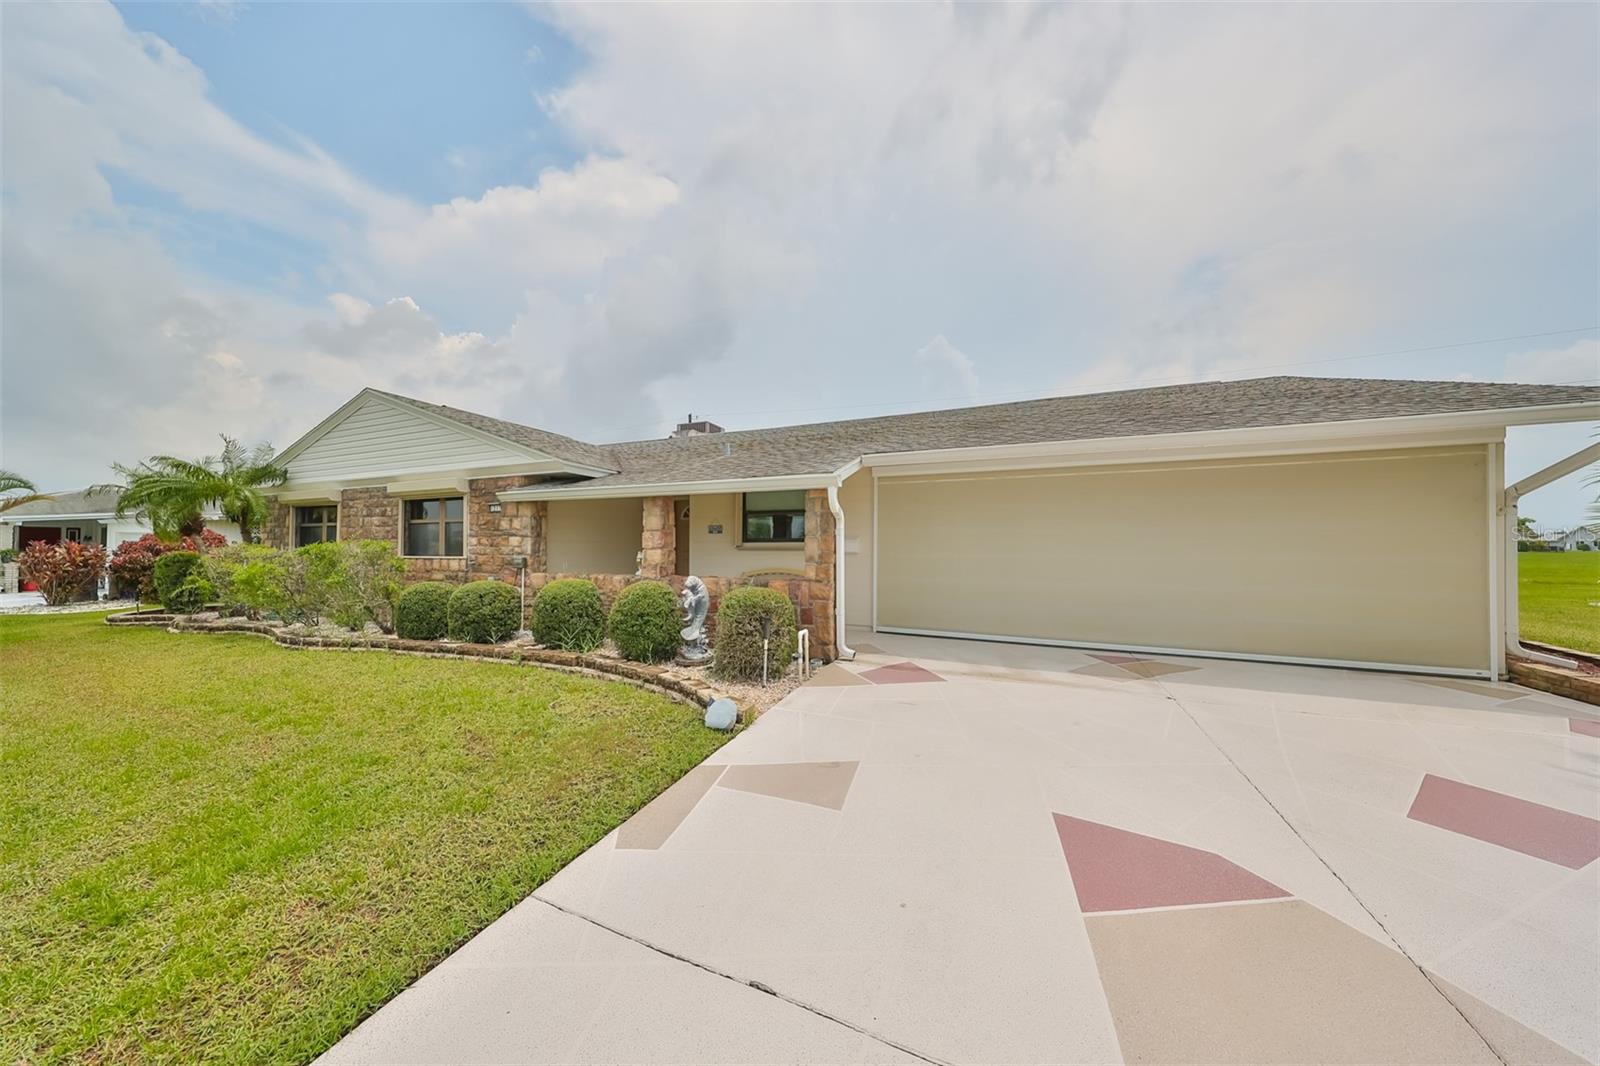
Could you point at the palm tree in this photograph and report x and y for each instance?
(16, 490)
(172, 493)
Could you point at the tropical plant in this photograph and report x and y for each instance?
(133, 562)
(192, 595)
(484, 612)
(646, 622)
(172, 494)
(569, 614)
(755, 634)
(246, 579)
(348, 583)
(16, 490)
(64, 570)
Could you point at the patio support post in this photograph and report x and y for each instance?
(659, 539)
(820, 572)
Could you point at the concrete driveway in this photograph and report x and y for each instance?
(962, 852)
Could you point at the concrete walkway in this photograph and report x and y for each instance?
(964, 852)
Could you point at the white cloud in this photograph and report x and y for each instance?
(778, 199)
(946, 370)
(1577, 363)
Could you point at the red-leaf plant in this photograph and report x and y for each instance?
(133, 563)
(63, 570)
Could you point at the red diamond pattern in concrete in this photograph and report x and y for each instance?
(1557, 836)
(899, 674)
(1116, 870)
(1589, 727)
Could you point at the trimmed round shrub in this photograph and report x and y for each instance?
(192, 595)
(483, 612)
(423, 612)
(569, 615)
(645, 622)
(740, 618)
(171, 571)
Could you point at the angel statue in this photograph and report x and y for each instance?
(695, 601)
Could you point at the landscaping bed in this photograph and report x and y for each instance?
(219, 850)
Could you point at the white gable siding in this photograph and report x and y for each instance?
(379, 439)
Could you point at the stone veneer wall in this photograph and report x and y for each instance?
(278, 528)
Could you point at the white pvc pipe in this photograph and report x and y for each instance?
(845, 652)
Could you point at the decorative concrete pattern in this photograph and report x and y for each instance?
(1275, 982)
(930, 906)
(651, 827)
(900, 674)
(1589, 727)
(821, 784)
(1115, 870)
(1562, 837)
(1511, 1040)
(1124, 667)
(834, 675)
(1109, 671)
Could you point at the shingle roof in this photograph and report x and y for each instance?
(1258, 402)
(75, 502)
(552, 444)
(823, 447)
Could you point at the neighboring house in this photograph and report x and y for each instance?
(1569, 540)
(1350, 522)
(82, 515)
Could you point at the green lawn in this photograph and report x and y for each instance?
(1559, 593)
(215, 848)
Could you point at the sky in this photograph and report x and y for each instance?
(596, 219)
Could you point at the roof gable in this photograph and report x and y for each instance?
(378, 435)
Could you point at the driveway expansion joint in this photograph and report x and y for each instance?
(1426, 976)
(758, 986)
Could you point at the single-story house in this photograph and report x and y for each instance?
(1310, 520)
(1570, 539)
(83, 515)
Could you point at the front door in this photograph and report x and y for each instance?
(680, 511)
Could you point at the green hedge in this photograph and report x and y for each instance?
(645, 622)
(569, 615)
(171, 571)
(423, 612)
(484, 612)
(738, 644)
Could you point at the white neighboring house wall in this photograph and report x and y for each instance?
(1570, 540)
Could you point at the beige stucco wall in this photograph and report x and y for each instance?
(719, 554)
(1368, 557)
(593, 536)
(855, 499)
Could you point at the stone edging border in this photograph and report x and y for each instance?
(640, 675)
(1555, 680)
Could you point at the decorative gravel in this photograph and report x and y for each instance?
(69, 608)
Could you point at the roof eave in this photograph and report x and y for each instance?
(703, 487)
(1451, 427)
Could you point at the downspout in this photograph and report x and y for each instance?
(845, 652)
(1574, 462)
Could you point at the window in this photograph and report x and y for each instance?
(775, 517)
(313, 525)
(434, 527)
